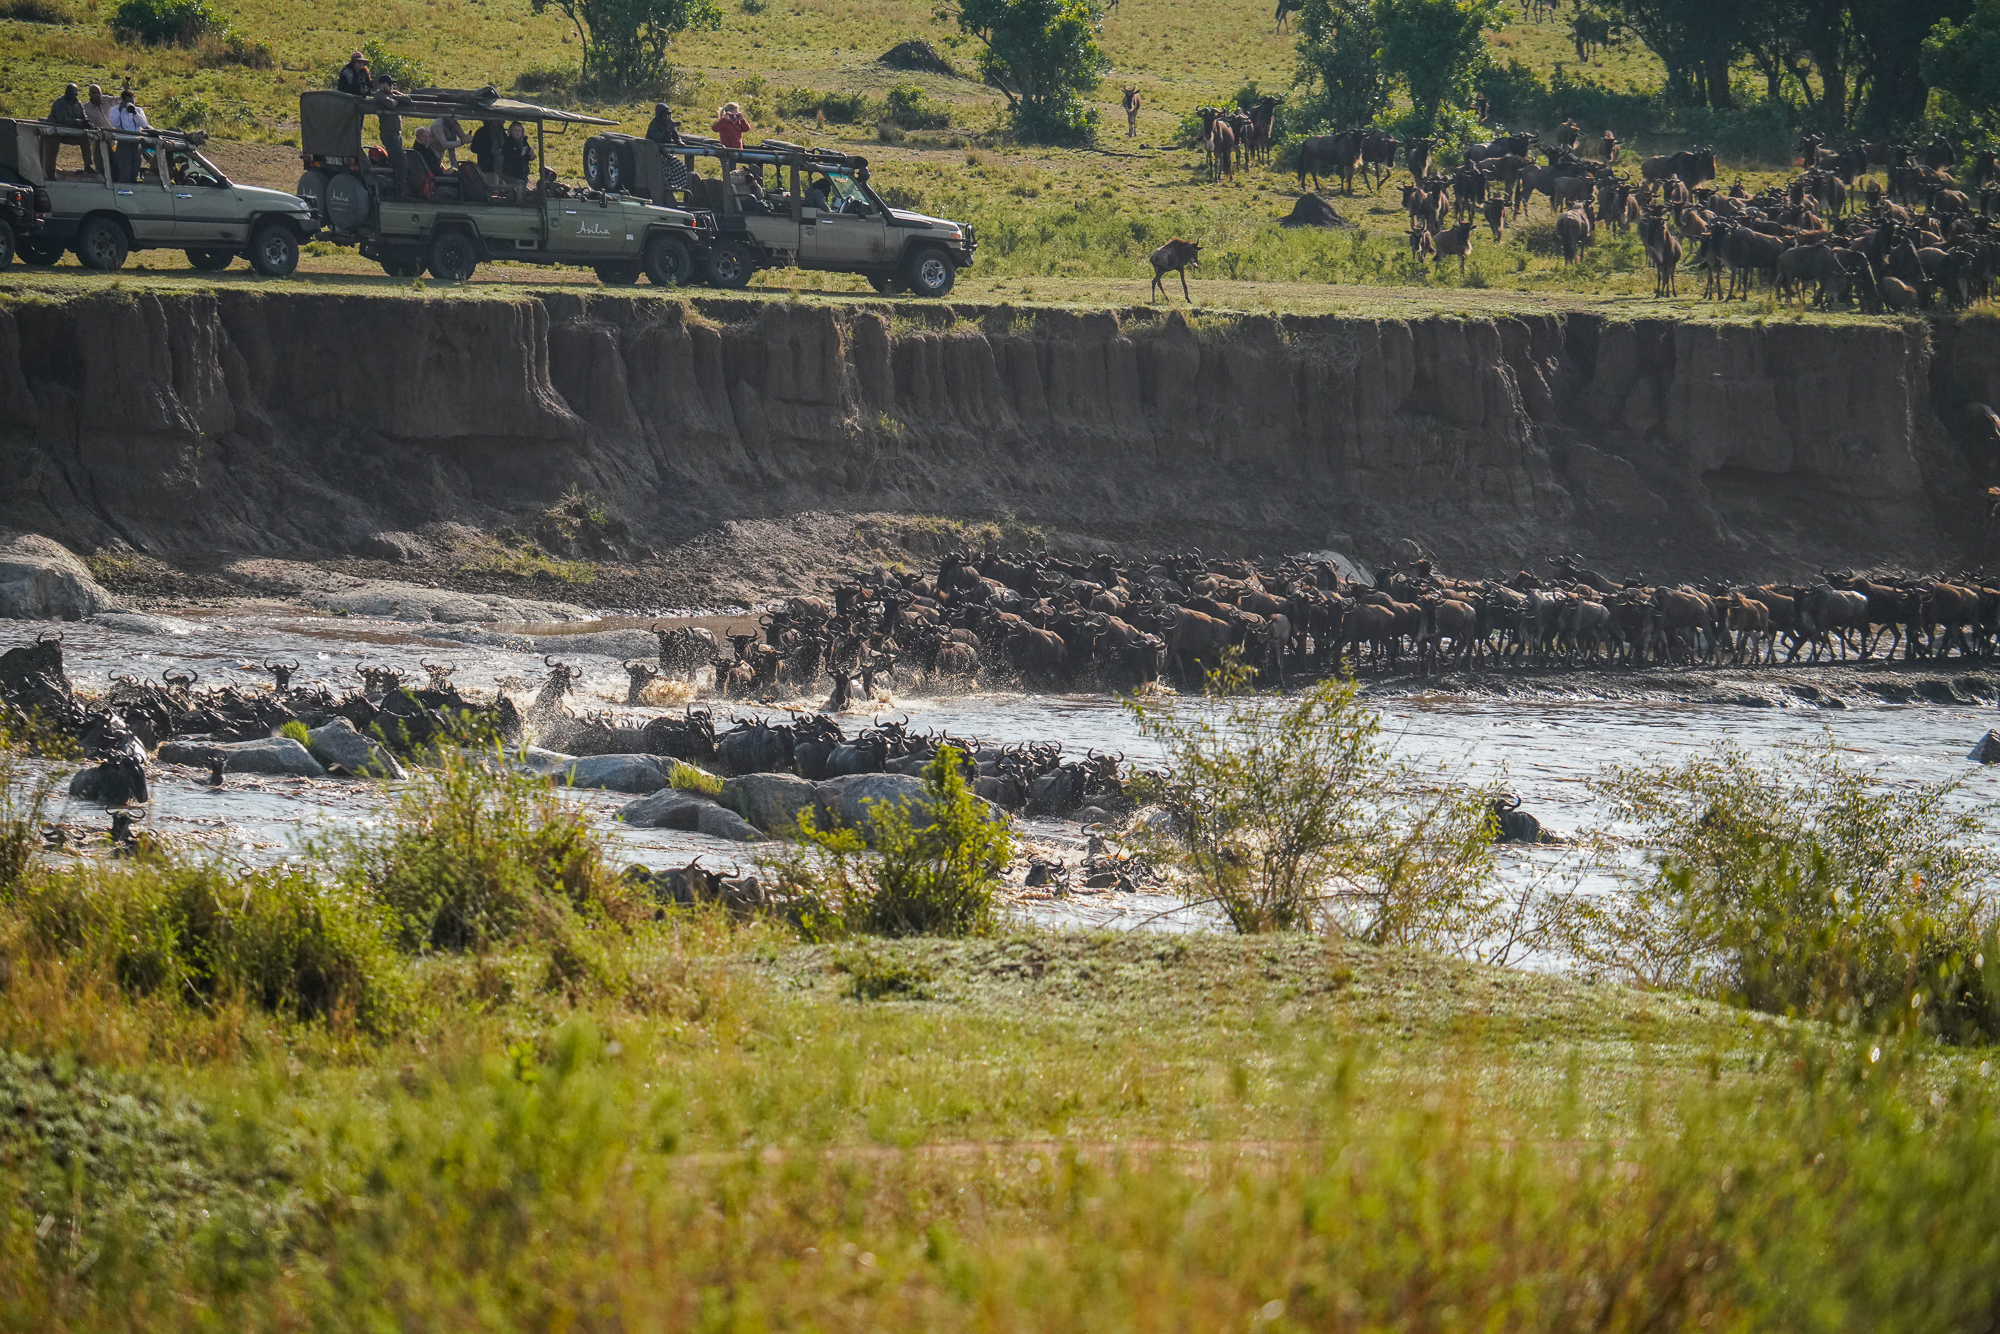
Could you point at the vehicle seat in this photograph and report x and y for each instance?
(707, 192)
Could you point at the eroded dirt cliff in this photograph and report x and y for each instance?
(240, 421)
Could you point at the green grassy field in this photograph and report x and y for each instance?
(1067, 225)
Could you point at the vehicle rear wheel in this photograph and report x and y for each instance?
(617, 275)
(452, 257)
(41, 253)
(402, 266)
(729, 265)
(929, 272)
(210, 260)
(668, 263)
(6, 246)
(101, 245)
(886, 286)
(274, 251)
(593, 161)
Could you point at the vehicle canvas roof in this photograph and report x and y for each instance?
(21, 152)
(330, 122)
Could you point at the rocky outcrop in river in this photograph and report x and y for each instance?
(251, 421)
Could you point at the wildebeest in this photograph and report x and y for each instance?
(1220, 141)
(1456, 240)
(1131, 112)
(1573, 230)
(1336, 154)
(1694, 166)
(1176, 256)
(1663, 251)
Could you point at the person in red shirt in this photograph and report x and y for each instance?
(730, 125)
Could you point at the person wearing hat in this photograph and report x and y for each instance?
(731, 125)
(663, 130)
(68, 114)
(355, 80)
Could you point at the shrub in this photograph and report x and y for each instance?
(912, 108)
(165, 22)
(230, 49)
(1292, 812)
(546, 79)
(805, 103)
(32, 11)
(1802, 888)
(474, 856)
(933, 879)
(296, 730)
(280, 939)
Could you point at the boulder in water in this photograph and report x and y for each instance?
(852, 800)
(720, 822)
(671, 809)
(42, 580)
(278, 755)
(1312, 211)
(637, 774)
(1988, 749)
(771, 802)
(338, 745)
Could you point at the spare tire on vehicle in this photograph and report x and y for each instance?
(312, 189)
(346, 201)
(621, 174)
(594, 154)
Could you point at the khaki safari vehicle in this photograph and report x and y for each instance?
(777, 204)
(468, 218)
(180, 201)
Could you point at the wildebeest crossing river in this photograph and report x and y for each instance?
(1545, 736)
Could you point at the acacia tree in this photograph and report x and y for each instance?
(625, 41)
(1961, 61)
(1340, 63)
(1439, 49)
(1043, 55)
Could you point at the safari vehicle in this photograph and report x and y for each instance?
(765, 218)
(181, 201)
(22, 208)
(469, 218)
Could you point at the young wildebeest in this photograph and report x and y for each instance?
(1496, 209)
(1131, 112)
(1456, 240)
(1176, 256)
(1663, 252)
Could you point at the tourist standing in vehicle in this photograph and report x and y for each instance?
(447, 137)
(730, 126)
(127, 117)
(486, 141)
(516, 156)
(663, 130)
(97, 117)
(354, 78)
(390, 125)
(67, 112)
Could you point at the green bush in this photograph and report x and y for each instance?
(933, 879)
(912, 108)
(805, 103)
(1291, 813)
(165, 22)
(280, 939)
(296, 730)
(1801, 887)
(474, 856)
(32, 11)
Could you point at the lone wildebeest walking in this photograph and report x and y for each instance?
(1131, 112)
(1175, 257)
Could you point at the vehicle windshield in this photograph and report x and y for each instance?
(847, 190)
(191, 168)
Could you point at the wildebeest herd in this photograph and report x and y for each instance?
(1109, 624)
(1920, 235)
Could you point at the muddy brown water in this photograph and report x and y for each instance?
(1545, 734)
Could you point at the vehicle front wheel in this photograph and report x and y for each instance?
(40, 253)
(730, 265)
(617, 275)
(274, 251)
(930, 272)
(453, 257)
(668, 263)
(101, 245)
(210, 260)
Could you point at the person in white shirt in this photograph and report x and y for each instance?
(97, 117)
(447, 137)
(127, 116)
